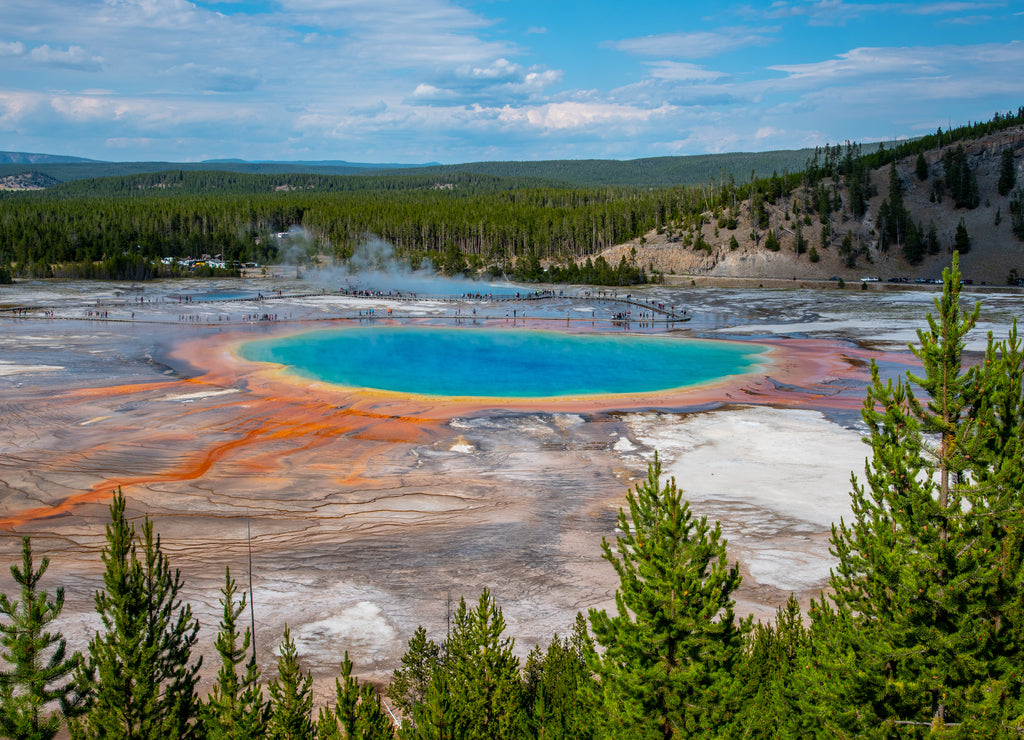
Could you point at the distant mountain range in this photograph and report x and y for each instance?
(34, 158)
(321, 163)
(647, 172)
(28, 158)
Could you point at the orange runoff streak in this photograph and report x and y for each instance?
(314, 424)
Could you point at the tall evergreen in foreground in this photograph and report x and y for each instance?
(139, 670)
(774, 684)
(670, 653)
(922, 632)
(409, 684)
(433, 718)
(38, 680)
(559, 683)
(291, 696)
(357, 713)
(483, 674)
(997, 501)
(474, 689)
(235, 709)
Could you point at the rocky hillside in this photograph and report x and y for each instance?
(994, 250)
(26, 181)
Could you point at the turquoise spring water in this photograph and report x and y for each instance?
(500, 363)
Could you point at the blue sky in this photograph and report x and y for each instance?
(467, 80)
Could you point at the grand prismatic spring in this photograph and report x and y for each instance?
(369, 508)
(492, 363)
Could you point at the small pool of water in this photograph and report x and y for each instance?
(505, 363)
(223, 296)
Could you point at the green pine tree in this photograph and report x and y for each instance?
(435, 717)
(558, 684)
(921, 167)
(932, 239)
(962, 240)
(923, 626)
(895, 189)
(995, 516)
(409, 683)
(291, 696)
(483, 674)
(235, 709)
(774, 700)
(327, 725)
(357, 713)
(142, 682)
(667, 669)
(960, 180)
(847, 250)
(914, 244)
(1007, 172)
(37, 691)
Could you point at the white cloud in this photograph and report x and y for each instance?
(767, 132)
(570, 115)
(499, 69)
(124, 118)
(540, 79)
(708, 138)
(497, 82)
(696, 44)
(430, 93)
(147, 16)
(11, 48)
(948, 8)
(905, 63)
(17, 109)
(683, 72)
(81, 108)
(839, 12)
(126, 143)
(74, 57)
(823, 12)
(720, 133)
(398, 33)
(858, 62)
(218, 78)
(974, 20)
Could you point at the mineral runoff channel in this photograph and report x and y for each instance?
(371, 513)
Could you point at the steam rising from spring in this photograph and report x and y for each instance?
(374, 266)
(295, 246)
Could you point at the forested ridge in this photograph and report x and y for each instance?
(488, 219)
(920, 632)
(512, 222)
(645, 172)
(69, 171)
